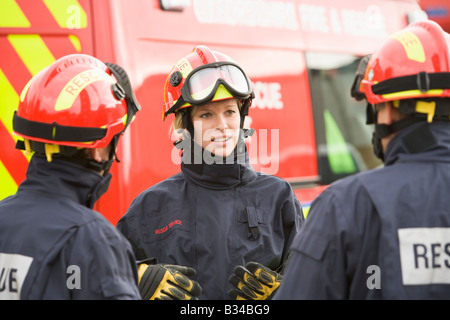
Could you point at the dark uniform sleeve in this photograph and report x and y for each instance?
(331, 249)
(129, 227)
(314, 269)
(293, 220)
(106, 264)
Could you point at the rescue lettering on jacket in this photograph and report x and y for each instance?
(13, 270)
(425, 255)
(167, 227)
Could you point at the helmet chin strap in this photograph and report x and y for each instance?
(418, 110)
(384, 130)
(99, 166)
(244, 112)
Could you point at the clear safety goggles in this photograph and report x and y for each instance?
(202, 83)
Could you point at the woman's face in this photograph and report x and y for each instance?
(216, 126)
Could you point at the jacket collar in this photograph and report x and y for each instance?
(65, 179)
(421, 141)
(203, 168)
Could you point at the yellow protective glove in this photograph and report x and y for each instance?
(254, 282)
(167, 282)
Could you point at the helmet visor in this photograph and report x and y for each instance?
(202, 83)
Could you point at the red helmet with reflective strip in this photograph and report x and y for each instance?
(412, 63)
(74, 102)
(204, 76)
(411, 69)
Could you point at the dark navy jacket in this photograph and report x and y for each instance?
(52, 246)
(213, 218)
(381, 234)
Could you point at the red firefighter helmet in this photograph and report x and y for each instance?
(74, 102)
(204, 76)
(412, 63)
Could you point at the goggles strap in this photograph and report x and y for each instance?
(360, 71)
(123, 90)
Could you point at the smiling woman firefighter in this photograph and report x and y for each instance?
(218, 220)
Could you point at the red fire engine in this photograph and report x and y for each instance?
(438, 11)
(301, 56)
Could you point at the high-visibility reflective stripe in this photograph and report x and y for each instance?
(61, 45)
(68, 13)
(32, 50)
(8, 185)
(13, 161)
(412, 93)
(75, 42)
(11, 16)
(9, 100)
(305, 209)
(184, 67)
(412, 45)
(23, 56)
(12, 66)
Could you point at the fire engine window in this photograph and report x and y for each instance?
(343, 139)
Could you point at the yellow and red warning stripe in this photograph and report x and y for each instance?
(33, 34)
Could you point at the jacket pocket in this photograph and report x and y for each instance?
(254, 240)
(253, 220)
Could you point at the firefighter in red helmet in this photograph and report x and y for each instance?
(218, 216)
(385, 233)
(70, 117)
